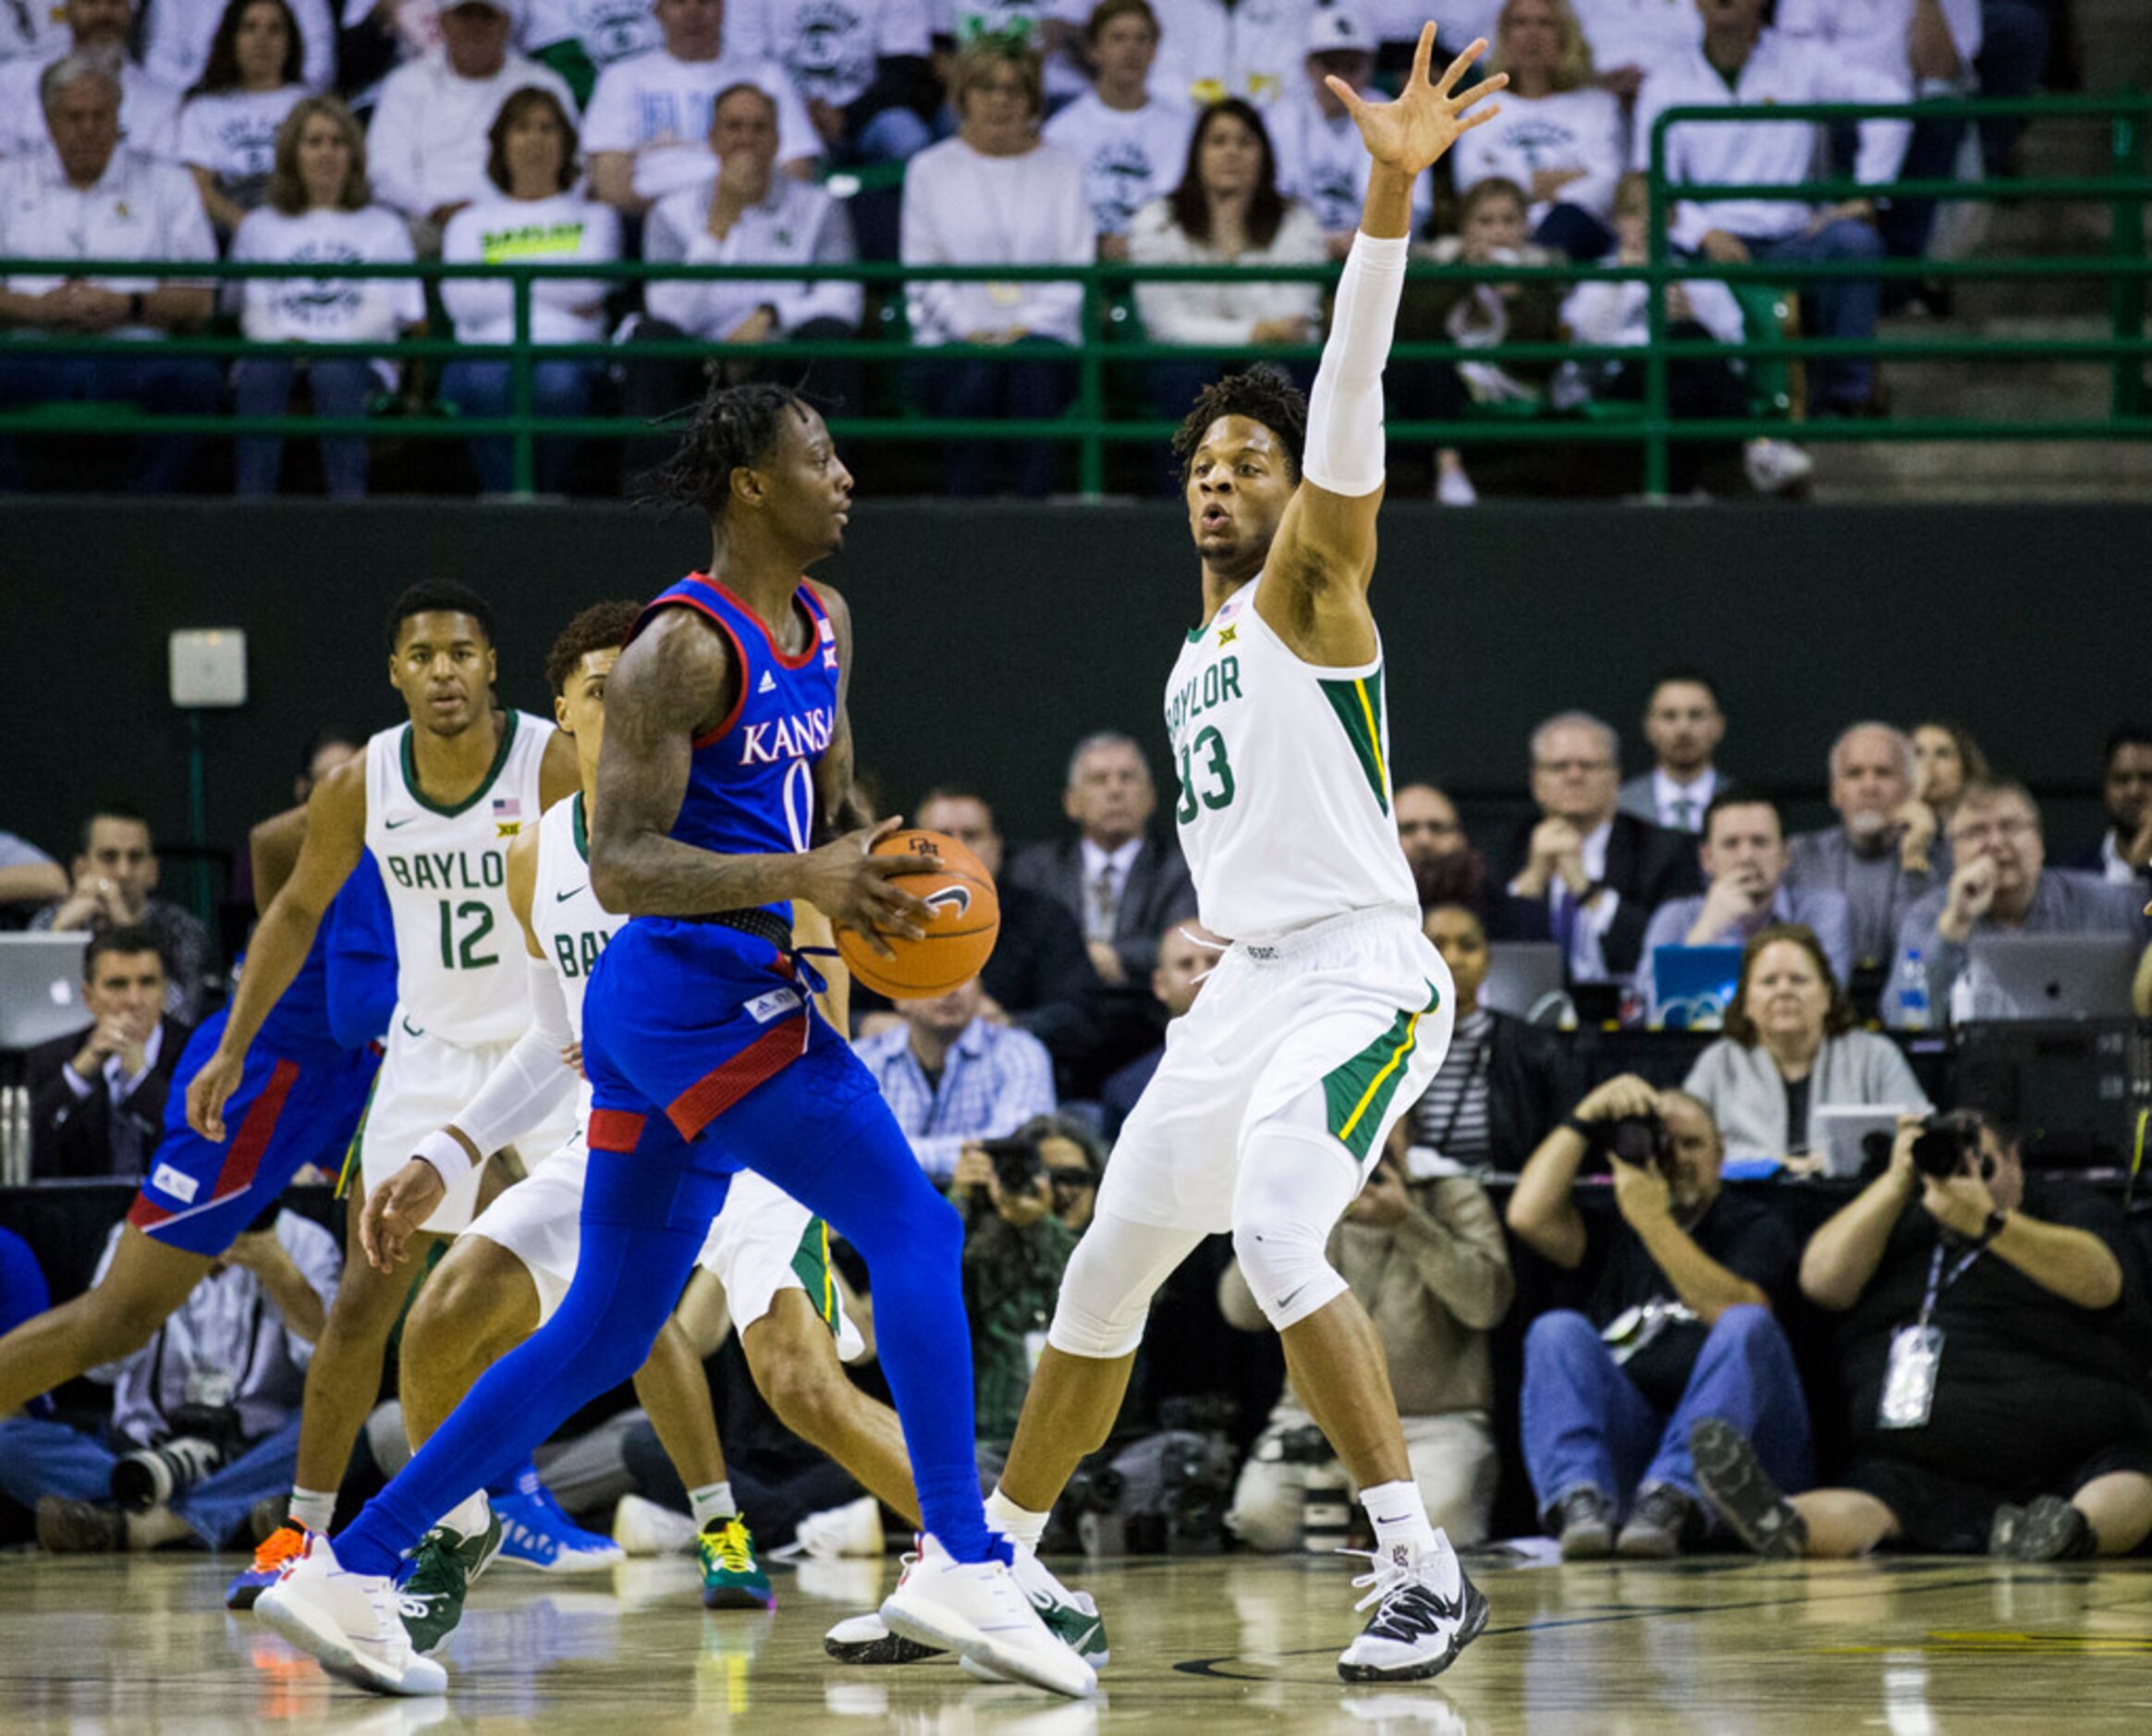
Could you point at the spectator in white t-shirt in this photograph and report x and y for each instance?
(89, 197)
(318, 213)
(648, 129)
(997, 194)
(1227, 210)
(1250, 49)
(596, 32)
(536, 215)
(227, 131)
(1698, 310)
(1321, 161)
(862, 66)
(177, 36)
(427, 138)
(1629, 39)
(749, 215)
(1742, 66)
(1131, 144)
(35, 30)
(149, 108)
(1556, 135)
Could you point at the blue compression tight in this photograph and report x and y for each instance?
(822, 1132)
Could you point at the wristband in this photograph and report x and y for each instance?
(446, 1152)
(1993, 1227)
(1579, 1127)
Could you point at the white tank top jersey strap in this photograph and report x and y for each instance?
(460, 957)
(572, 927)
(1284, 814)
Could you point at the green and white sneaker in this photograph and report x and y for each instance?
(431, 1598)
(1072, 1617)
(732, 1578)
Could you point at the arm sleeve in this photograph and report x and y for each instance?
(392, 148)
(531, 1080)
(471, 303)
(1344, 439)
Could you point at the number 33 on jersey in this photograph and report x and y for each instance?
(1285, 786)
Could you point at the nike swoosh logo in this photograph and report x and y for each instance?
(562, 897)
(390, 825)
(1286, 1302)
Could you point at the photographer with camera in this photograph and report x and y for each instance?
(1993, 1361)
(1679, 1325)
(1426, 1256)
(1025, 1200)
(204, 1417)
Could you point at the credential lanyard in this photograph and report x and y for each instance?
(1937, 1283)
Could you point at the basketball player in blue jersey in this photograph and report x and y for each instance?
(435, 800)
(504, 1278)
(727, 754)
(1330, 1011)
(297, 1101)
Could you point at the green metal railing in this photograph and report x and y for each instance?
(2124, 268)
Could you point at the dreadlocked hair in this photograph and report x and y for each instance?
(1261, 393)
(602, 626)
(734, 425)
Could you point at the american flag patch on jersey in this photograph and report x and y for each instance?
(507, 807)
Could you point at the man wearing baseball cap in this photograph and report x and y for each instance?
(1320, 160)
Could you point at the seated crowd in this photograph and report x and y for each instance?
(1631, 1281)
(760, 133)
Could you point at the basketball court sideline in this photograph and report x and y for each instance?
(1911, 1646)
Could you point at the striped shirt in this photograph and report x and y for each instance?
(994, 1079)
(1453, 1116)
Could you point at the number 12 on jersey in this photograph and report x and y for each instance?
(1205, 757)
(474, 919)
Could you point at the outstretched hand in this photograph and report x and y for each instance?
(1424, 121)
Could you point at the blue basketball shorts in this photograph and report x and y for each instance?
(286, 1112)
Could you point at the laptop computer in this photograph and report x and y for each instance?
(1524, 980)
(1845, 1128)
(2052, 976)
(41, 988)
(1693, 986)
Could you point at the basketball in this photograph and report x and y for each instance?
(958, 941)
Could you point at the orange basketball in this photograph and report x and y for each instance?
(967, 919)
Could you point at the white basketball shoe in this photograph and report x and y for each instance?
(350, 1623)
(977, 1610)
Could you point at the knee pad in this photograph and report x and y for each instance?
(1283, 1261)
(1101, 1312)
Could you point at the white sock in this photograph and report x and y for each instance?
(1018, 1524)
(312, 1508)
(713, 1503)
(1400, 1517)
(468, 1517)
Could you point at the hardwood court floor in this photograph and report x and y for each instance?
(1203, 1648)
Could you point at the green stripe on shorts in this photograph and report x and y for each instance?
(1358, 1093)
(810, 1267)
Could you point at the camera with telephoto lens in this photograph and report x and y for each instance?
(1017, 1165)
(154, 1476)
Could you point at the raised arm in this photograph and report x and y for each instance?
(335, 833)
(672, 683)
(1842, 1257)
(1325, 545)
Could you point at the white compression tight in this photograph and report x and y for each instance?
(1296, 1183)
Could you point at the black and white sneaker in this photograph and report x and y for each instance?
(1742, 1492)
(867, 1640)
(1426, 1613)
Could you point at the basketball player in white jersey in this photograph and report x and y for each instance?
(1330, 1012)
(438, 800)
(505, 1276)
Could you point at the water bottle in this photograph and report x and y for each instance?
(1913, 993)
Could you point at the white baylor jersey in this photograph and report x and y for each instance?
(1285, 788)
(572, 927)
(459, 973)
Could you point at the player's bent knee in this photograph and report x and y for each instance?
(1286, 1269)
(1099, 1316)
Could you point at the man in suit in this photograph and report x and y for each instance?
(1448, 867)
(1883, 853)
(97, 1098)
(1684, 726)
(1599, 872)
(1124, 887)
(2124, 852)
